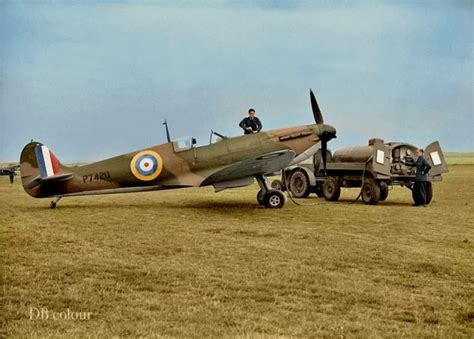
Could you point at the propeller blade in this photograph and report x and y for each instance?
(318, 117)
(324, 147)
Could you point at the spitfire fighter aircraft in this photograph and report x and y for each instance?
(228, 163)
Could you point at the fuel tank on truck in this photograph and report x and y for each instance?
(355, 154)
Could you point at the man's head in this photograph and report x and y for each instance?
(419, 152)
(251, 112)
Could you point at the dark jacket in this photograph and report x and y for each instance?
(254, 123)
(422, 168)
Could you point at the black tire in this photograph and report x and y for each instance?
(370, 192)
(383, 193)
(429, 192)
(274, 199)
(318, 189)
(299, 185)
(261, 198)
(331, 189)
(277, 185)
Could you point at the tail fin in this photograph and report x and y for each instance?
(38, 164)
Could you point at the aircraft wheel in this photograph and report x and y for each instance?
(277, 185)
(274, 199)
(370, 192)
(383, 193)
(261, 198)
(299, 184)
(52, 205)
(331, 189)
(429, 192)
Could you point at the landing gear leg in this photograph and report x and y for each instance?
(54, 202)
(263, 183)
(269, 197)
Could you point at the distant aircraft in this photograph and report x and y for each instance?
(228, 163)
(10, 171)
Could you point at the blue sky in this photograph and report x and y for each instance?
(96, 79)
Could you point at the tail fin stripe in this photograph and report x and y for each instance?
(48, 164)
(47, 161)
(40, 160)
(54, 163)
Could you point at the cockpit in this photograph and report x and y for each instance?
(187, 143)
(184, 144)
(215, 137)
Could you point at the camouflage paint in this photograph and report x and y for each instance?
(163, 166)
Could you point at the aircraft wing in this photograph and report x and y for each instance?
(244, 170)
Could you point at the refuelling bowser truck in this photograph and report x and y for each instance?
(373, 168)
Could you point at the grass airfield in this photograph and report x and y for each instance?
(194, 263)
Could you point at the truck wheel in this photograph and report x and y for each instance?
(429, 193)
(277, 185)
(383, 193)
(319, 190)
(370, 192)
(299, 184)
(274, 199)
(331, 189)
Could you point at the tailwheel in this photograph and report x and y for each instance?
(274, 199)
(54, 202)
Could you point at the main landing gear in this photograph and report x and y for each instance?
(268, 197)
(53, 203)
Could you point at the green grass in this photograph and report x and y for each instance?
(194, 263)
(460, 158)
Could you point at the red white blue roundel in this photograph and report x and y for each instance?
(146, 165)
